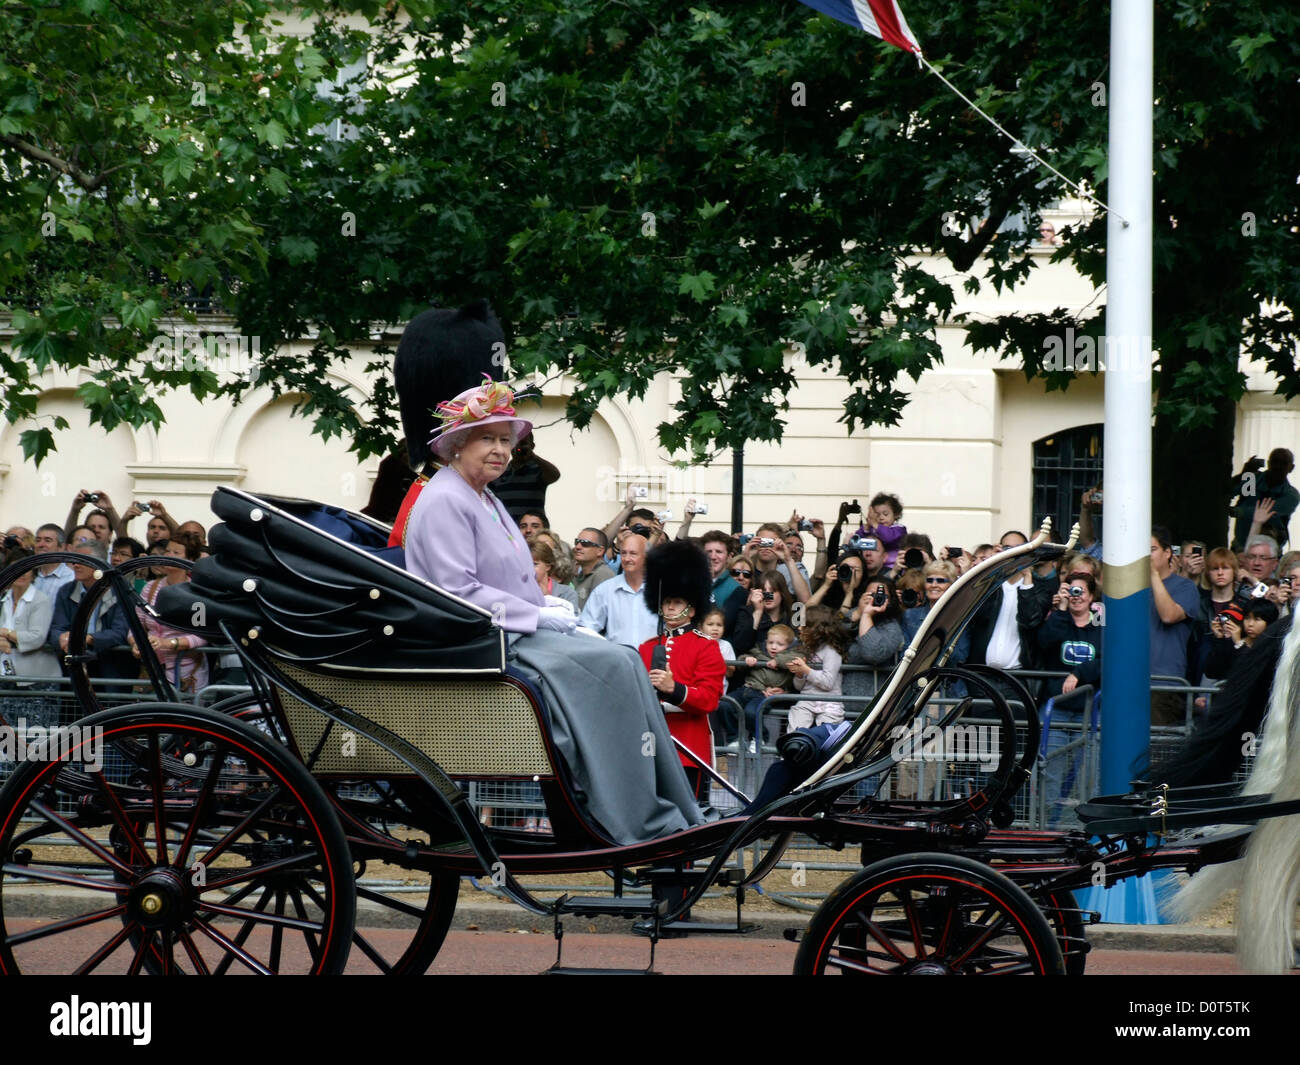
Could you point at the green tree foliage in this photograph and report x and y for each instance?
(643, 187)
(134, 141)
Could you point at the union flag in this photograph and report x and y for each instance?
(880, 18)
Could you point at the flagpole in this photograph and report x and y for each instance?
(1126, 543)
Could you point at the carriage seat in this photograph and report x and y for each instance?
(313, 590)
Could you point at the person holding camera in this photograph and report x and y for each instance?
(1070, 635)
(770, 603)
(160, 526)
(101, 521)
(1002, 630)
(639, 520)
(1175, 616)
(1070, 639)
(768, 554)
(1265, 498)
(1234, 631)
(842, 586)
(878, 638)
(1089, 542)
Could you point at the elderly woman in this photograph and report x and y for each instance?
(605, 717)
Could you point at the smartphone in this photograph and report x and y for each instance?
(1197, 549)
(954, 554)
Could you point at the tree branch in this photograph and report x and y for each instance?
(91, 183)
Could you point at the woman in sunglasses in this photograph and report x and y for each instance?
(939, 576)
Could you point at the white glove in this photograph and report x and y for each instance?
(552, 617)
(563, 604)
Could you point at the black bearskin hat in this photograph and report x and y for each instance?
(442, 353)
(677, 569)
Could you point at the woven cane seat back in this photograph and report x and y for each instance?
(470, 728)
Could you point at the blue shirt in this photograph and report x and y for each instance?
(1169, 642)
(51, 584)
(619, 613)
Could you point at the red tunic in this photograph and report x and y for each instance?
(397, 538)
(695, 661)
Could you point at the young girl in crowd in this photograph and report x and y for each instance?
(817, 670)
(713, 626)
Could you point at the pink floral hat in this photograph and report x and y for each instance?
(488, 404)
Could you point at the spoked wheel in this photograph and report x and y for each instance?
(1063, 913)
(404, 909)
(172, 839)
(929, 915)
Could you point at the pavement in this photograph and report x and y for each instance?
(500, 917)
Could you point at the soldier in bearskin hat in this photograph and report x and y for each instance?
(686, 667)
(443, 352)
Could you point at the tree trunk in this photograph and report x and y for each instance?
(1190, 473)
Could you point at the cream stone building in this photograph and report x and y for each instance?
(979, 449)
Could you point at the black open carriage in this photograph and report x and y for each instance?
(240, 835)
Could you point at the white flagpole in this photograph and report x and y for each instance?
(1126, 522)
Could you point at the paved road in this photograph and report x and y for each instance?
(506, 953)
(513, 952)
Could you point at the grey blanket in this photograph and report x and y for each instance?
(609, 727)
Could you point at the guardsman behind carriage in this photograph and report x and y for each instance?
(686, 667)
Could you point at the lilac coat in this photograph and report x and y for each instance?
(455, 541)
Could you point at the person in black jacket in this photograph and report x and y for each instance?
(1070, 639)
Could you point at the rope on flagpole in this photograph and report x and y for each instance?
(1017, 141)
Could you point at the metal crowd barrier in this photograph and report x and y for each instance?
(1072, 754)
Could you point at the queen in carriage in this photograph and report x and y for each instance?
(605, 716)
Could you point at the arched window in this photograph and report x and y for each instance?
(1065, 464)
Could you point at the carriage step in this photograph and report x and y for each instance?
(576, 970)
(679, 929)
(608, 906)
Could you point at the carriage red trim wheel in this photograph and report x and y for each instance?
(929, 915)
(192, 843)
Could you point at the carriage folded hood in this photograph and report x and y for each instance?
(277, 575)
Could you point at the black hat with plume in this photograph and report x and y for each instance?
(677, 570)
(442, 353)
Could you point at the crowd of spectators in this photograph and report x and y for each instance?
(796, 601)
(793, 601)
(40, 606)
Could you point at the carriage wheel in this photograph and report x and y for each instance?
(1062, 910)
(226, 857)
(929, 915)
(413, 906)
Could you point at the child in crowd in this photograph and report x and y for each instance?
(884, 521)
(767, 676)
(823, 641)
(1236, 628)
(713, 626)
